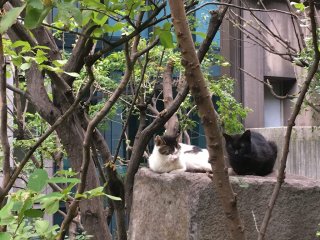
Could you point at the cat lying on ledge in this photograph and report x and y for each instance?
(169, 155)
(249, 154)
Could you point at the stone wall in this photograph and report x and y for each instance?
(184, 206)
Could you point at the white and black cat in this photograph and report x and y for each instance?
(250, 153)
(169, 155)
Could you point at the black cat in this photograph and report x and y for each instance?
(250, 153)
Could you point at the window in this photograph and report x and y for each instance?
(277, 111)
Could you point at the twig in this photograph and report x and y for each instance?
(242, 8)
(143, 137)
(268, 84)
(131, 108)
(42, 138)
(93, 123)
(313, 106)
(18, 91)
(4, 118)
(291, 122)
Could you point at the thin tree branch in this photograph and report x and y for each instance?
(19, 91)
(313, 106)
(269, 85)
(4, 118)
(142, 138)
(291, 122)
(131, 108)
(42, 138)
(93, 58)
(214, 24)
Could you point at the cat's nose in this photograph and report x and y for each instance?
(236, 152)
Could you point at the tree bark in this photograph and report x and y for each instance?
(172, 126)
(4, 118)
(208, 116)
(144, 136)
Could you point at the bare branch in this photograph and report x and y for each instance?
(41, 139)
(143, 137)
(313, 106)
(268, 84)
(4, 117)
(172, 125)
(291, 122)
(245, 8)
(18, 91)
(133, 104)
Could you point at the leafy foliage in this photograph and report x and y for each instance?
(25, 208)
(230, 111)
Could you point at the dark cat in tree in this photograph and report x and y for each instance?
(250, 153)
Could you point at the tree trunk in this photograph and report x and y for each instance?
(172, 126)
(208, 116)
(92, 211)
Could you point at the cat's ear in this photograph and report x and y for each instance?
(227, 137)
(158, 140)
(246, 135)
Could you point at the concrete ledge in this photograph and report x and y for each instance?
(184, 206)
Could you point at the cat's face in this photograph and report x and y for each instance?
(167, 144)
(238, 145)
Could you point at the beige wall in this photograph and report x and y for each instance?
(244, 52)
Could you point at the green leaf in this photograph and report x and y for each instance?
(50, 202)
(53, 69)
(5, 236)
(63, 180)
(26, 205)
(68, 189)
(299, 6)
(34, 213)
(201, 34)
(21, 44)
(10, 18)
(40, 56)
(41, 47)
(114, 197)
(50, 197)
(79, 195)
(35, 4)
(6, 210)
(25, 66)
(165, 35)
(99, 18)
(52, 207)
(72, 74)
(38, 180)
(59, 63)
(35, 16)
(6, 216)
(67, 11)
(42, 226)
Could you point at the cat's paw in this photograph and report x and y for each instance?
(173, 158)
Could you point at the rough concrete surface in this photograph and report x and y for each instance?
(183, 206)
(304, 152)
